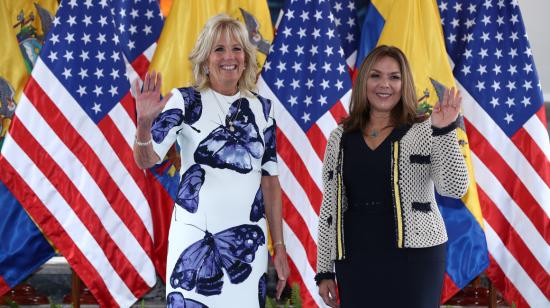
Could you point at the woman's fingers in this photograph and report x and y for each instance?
(332, 291)
(458, 102)
(279, 289)
(136, 88)
(154, 77)
(446, 98)
(281, 267)
(323, 292)
(453, 96)
(146, 81)
(158, 86)
(327, 291)
(437, 107)
(152, 82)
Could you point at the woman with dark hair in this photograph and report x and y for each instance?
(217, 245)
(381, 235)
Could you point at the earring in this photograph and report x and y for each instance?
(206, 70)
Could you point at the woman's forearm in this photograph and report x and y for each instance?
(144, 154)
(271, 190)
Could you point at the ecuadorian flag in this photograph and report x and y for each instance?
(414, 26)
(23, 28)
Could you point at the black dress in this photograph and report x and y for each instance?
(375, 272)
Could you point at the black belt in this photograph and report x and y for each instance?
(367, 204)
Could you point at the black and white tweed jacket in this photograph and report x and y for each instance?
(422, 156)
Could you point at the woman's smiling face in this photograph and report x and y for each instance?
(226, 64)
(384, 85)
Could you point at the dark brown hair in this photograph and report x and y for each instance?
(405, 112)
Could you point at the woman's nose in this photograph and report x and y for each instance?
(228, 55)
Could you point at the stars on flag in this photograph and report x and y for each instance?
(85, 50)
(487, 41)
(308, 72)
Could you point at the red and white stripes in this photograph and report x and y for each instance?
(79, 180)
(514, 188)
(300, 161)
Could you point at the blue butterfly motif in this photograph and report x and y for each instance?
(201, 264)
(257, 211)
(189, 188)
(266, 104)
(176, 300)
(234, 150)
(270, 153)
(262, 290)
(165, 122)
(193, 105)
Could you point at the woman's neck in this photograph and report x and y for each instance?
(226, 90)
(379, 120)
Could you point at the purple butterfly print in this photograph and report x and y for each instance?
(270, 153)
(233, 150)
(257, 211)
(262, 290)
(266, 104)
(202, 264)
(176, 300)
(193, 105)
(189, 188)
(165, 122)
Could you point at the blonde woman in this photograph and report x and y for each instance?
(217, 254)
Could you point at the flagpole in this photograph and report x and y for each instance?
(75, 289)
(492, 295)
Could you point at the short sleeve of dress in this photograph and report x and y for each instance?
(168, 123)
(269, 159)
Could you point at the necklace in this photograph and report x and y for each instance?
(228, 120)
(375, 132)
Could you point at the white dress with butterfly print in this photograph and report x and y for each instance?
(217, 252)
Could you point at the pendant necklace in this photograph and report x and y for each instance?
(376, 132)
(373, 134)
(230, 121)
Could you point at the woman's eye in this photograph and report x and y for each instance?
(237, 49)
(218, 49)
(395, 77)
(374, 75)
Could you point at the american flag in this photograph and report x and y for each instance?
(345, 21)
(307, 78)
(138, 24)
(68, 157)
(505, 123)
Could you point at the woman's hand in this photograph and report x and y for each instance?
(273, 204)
(446, 111)
(327, 291)
(148, 107)
(281, 267)
(148, 102)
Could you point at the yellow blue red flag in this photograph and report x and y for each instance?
(23, 27)
(415, 28)
(187, 18)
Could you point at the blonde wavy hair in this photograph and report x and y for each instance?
(405, 112)
(215, 27)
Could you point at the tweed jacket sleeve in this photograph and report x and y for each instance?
(448, 167)
(326, 244)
